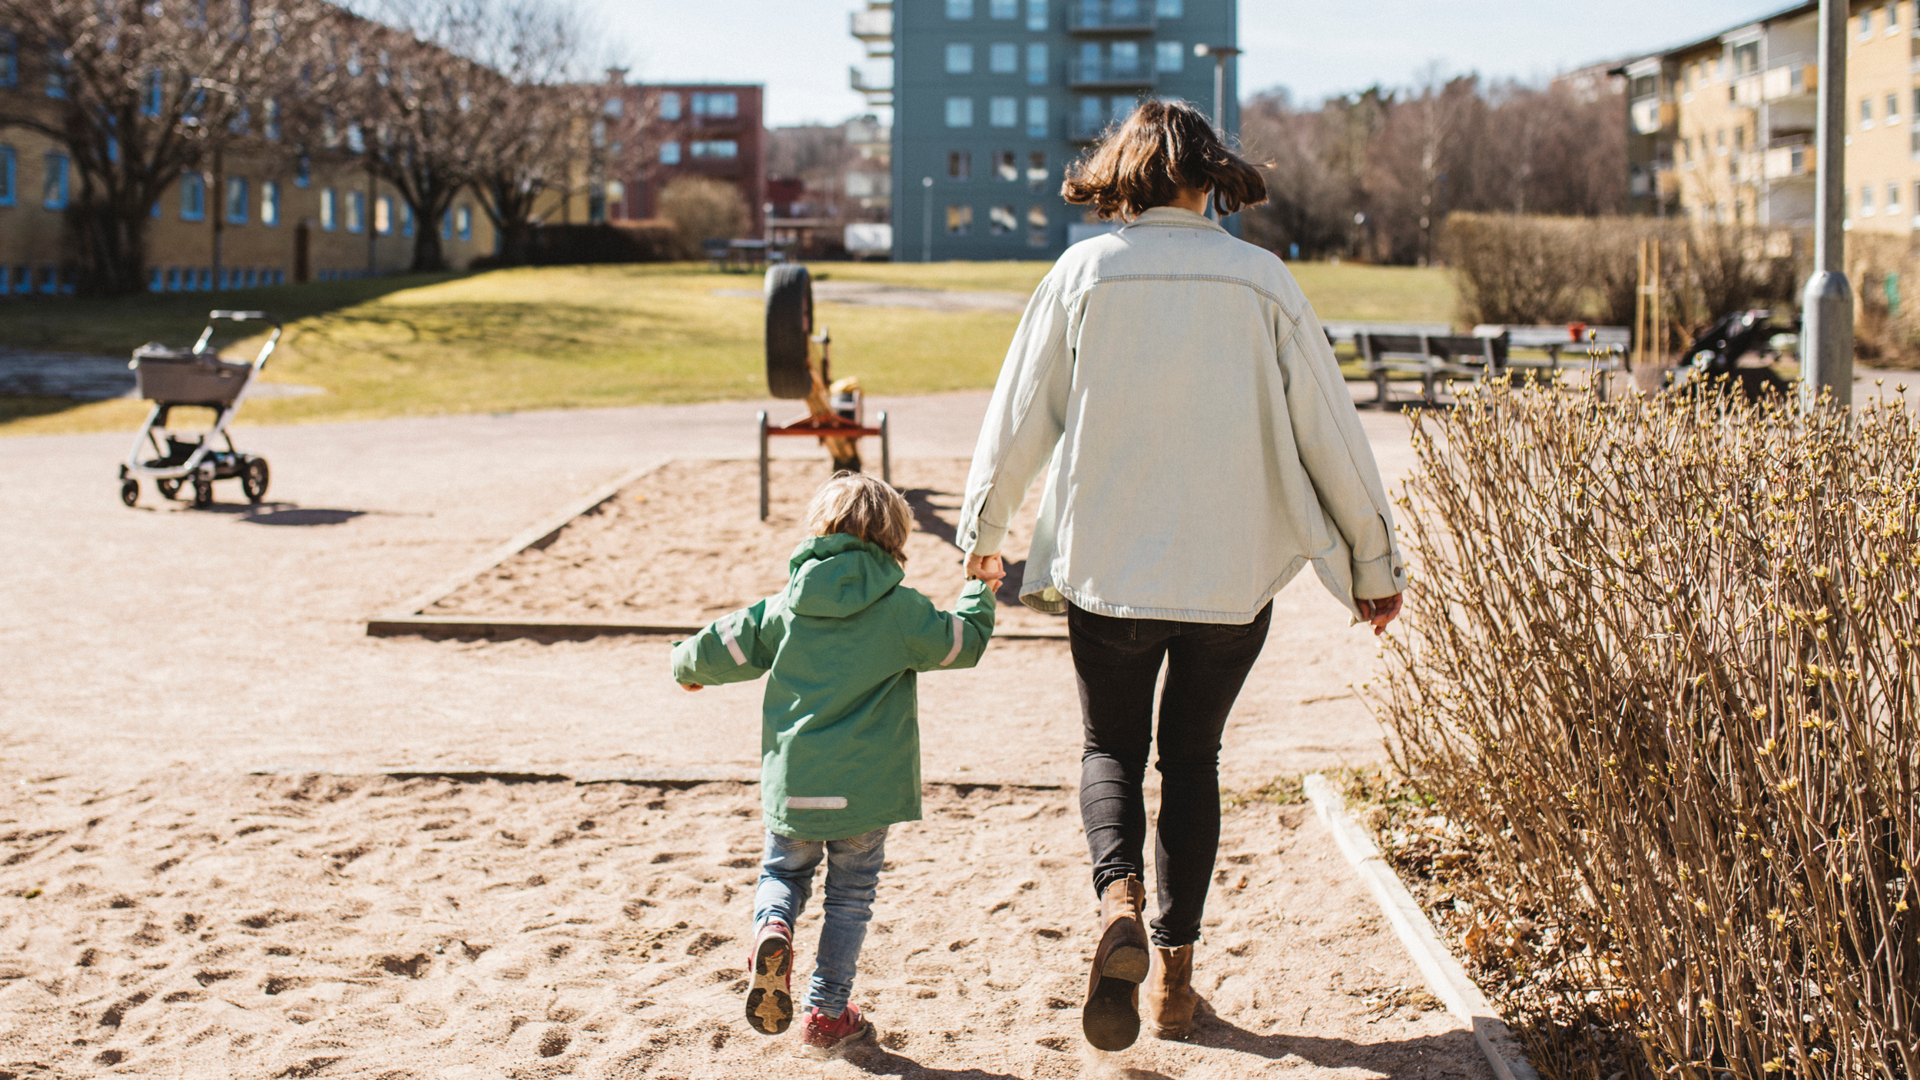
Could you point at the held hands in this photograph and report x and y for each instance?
(987, 568)
(691, 687)
(1379, 612)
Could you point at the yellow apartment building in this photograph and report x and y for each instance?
(1722, 129)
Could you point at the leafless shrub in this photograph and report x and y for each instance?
(1661, 665)
(702, 209)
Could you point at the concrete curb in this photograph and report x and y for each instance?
(473, 774)
(1445, 976)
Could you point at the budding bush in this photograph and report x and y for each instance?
(1661, 659)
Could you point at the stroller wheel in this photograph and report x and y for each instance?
(254, 479)
(169, 489)
(202, 493)
(130, 491)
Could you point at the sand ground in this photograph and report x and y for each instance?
(325, 921)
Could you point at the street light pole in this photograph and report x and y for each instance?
(1826, 307)
(926, 222)
(1220, 54)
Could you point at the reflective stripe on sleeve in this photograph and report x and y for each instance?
(733, 647)
(816, 802)
(959, 639)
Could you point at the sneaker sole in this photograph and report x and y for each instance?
(1111, 1019)
(770, 1000)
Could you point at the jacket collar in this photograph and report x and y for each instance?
(1173, 215)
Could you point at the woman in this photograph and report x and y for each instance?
(1201, 449)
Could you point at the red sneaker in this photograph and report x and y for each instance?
(770, 997)
(825, 1034)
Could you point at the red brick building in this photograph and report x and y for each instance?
(693, 129)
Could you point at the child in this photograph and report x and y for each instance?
(839, 738)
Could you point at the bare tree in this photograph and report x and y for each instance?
(140, 92)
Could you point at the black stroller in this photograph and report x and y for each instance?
(171, 378)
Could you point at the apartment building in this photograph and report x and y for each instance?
(993, 98)
(1722, 129)
(675, 130)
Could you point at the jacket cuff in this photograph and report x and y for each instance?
(1379, 578)
(981, 538)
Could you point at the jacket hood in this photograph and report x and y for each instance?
(836, 576)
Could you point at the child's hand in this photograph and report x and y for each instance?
(690, 687)
(987, 568)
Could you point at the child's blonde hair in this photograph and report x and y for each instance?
(861, 506)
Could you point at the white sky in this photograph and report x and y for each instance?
(801, 51)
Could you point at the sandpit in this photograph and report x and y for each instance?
(193, 925)
(683, 545)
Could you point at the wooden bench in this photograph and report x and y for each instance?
(1430, 358)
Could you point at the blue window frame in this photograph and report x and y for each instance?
(193, 197)
(53, 191)
(463, 222)
(356, 211)
(9, 67)
(49, 281)
(154, 96)
(329, 210)
(270, 202)
(7, 177)
(156, 280)
(302, 171)
(406, 218)
(56, 69)
(446, 224)
(22, 280)
(239, 194)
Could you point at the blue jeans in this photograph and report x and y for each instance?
(853, 874)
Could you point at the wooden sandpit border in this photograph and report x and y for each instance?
(409, 618)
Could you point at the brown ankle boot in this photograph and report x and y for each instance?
(1111, 1018)
(1171, 1000)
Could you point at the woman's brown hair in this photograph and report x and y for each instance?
(1163, 147)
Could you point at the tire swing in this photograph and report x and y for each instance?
(835, 410)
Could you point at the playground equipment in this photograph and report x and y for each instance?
(835, 410)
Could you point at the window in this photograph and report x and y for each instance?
(1169, 56)
(9, 63)
(723, 104)
(7, 196)
(959, 9)
(193, 197)
(1866, 112)
(1003, 9)
(329, 210)
(1036, 169)
(1037, 15)
(56, 69)
(1740, 138)
(1866, 24)
(356, 211)
(22, 282)
(272, 128)
(716, 148)
(669, 153)
(1092, 115)
(1126, 57)
(1168, 9)
(1036, 226)
(1866, 201)
(153, 95)
(1004, 167)
(1036, 118)
(383, 216)
(1003, 112)
(959, 221)
(237, 199)
(1893, 199)
(1120, 108)
(959, 164)
(1893, 107)
(669, 106)
(302, 171)
(446, 224)
(1003, 58)
(463, 222)
(1037, 65)
(1893, 17)
(406, 219)
(1746, 58)
(270, 202)
(959, 59)
(1000, 220)
(959, 112)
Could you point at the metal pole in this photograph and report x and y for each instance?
(926, 222)
(763, 465)
(1826, 321)
(1219, 93)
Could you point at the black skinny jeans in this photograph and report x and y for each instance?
(1117, 663)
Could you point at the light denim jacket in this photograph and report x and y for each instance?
(1201, 444)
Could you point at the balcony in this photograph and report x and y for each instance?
(1099, 18)
(1652, 115)
(874, 28)
(1786, 162)
(1104, 73)
(875, 91)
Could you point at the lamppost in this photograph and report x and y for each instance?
(1221, 54)
(1826, 315)
(926, 222)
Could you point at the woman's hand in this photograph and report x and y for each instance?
(1379, 612)
(987, 568)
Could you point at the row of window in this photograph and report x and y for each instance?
(1890, 208)
(1005, 169)
(1119, 59)
(1889, 18)
(57, 67)
(1001, 221)
(1036, 10)
(1891, 115)
(1002, 112)
(45, 281)
(54, 179)
(203, 279)
(710, 148)
(713, 104)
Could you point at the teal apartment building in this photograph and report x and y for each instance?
(993, 98)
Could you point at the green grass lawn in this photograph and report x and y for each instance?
(565, 337)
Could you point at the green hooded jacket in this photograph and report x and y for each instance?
(840, 729)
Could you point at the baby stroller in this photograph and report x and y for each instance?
(199, 377)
